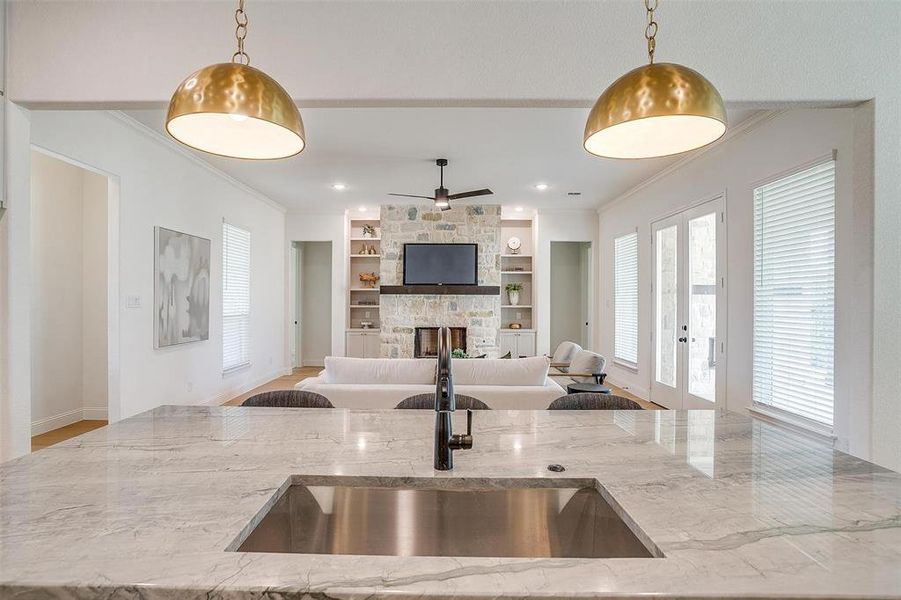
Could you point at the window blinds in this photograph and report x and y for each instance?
(794, 293)
(625, 298)
(235, 297)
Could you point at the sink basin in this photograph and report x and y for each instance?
(443, 517)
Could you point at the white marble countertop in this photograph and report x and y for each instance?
(146, 507)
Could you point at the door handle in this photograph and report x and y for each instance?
(683, 339)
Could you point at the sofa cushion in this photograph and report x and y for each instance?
(565, 352)
(586, 362)
(386, 371)
(496, 371)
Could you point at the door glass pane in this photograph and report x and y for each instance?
(702, 307)
(667, 302)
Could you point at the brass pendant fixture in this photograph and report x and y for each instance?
(232, 109)
(655, 110)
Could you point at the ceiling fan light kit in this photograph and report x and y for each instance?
(234, 110)
(658, 109)
(442, 198)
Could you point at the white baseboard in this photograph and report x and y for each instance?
(314, 362)
(237, 390)
(93, 413)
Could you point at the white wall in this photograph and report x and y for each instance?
(326, 227)
(570, 282)
(161, 185)
(69, 294)
(94, 284)
(559, 226)
(315, 302)
(774, 144)
(56, 245)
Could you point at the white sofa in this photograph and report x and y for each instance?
(502, 384)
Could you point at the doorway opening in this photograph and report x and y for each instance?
(71, 305)
(570, 293)
(688, 307)
(311, 284)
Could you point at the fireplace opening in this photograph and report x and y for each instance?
(425, 342)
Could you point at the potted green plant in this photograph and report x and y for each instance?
(368, 230)
(513, 290)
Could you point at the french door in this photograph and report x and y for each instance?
(689, 301)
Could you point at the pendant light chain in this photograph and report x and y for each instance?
(650, 32)
(240, 33)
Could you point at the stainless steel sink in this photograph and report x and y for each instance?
(445, 517)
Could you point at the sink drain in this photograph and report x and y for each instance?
(556, 468)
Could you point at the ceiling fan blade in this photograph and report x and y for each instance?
(412, 196)
(484, 192)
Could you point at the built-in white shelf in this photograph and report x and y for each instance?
(372, 289)
(365, 239)
(518, 268)
(365, 255)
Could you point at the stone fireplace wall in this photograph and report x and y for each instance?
(401, 314)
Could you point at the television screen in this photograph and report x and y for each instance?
(440, 264)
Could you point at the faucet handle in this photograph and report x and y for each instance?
(469, 422)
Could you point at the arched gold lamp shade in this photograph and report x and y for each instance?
(655, 110)
(235, 110)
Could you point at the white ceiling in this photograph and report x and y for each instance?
(374, 151)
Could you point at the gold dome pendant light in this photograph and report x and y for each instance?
(232, 109)
(655, 110)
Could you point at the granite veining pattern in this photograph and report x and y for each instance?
(146, 508)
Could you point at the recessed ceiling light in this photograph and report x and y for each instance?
(362, 209)
(573, 193)
(518, 209)
(540, 186)
(338, 186)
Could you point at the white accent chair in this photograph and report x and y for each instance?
(564, 354)
(585, 367)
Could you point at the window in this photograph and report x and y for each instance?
(235, 297)
(794, 294)
(625, 299)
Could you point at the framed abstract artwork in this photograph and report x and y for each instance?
(181, 291)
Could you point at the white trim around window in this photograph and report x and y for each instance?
(235, 298)
(625, 300)
(794, 297)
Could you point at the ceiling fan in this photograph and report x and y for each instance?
(442, 198)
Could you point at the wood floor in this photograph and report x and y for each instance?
(44, 440)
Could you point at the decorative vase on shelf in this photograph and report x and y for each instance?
(513, 297)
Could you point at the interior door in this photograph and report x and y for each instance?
(689, 307)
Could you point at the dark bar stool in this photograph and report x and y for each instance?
(593, 402)
(428, 401)
(289, 399)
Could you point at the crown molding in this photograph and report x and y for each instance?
(183, 151)
(746, 126)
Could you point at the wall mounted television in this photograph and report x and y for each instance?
(441, 264)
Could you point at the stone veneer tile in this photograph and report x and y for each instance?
(400, 314)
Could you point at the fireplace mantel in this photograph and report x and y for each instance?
(442, 290)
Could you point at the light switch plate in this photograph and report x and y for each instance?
(132, 301)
